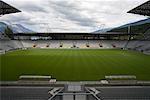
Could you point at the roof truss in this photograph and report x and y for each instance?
(143, 9)
(7, 9)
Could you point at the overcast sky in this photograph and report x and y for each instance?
(72, 15)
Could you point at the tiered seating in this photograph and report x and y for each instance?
(119, 44)
(147, 35)
(10, 45)
(131, 44)
(143, 46)
(81, 44)
(94, 44)
(54, 44)
(106, 44)
(100, 45)
(28, 44)
(67, 44)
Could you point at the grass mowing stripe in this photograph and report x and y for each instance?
(74, 64)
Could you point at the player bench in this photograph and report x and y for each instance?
(121, 79)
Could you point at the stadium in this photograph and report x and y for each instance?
(111, 65)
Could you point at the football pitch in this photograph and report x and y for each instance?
(74, 64)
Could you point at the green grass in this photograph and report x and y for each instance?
(74, 64)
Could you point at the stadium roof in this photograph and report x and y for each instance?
(64, 35)
(136, 27)
(7, 9)
(143, 9)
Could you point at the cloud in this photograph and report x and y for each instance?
(72, 11)
(72, 15)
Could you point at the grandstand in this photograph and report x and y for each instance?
(140, 45)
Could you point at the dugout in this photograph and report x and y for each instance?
(121, 79)
(34, 78)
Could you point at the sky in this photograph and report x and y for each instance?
(72, 15)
